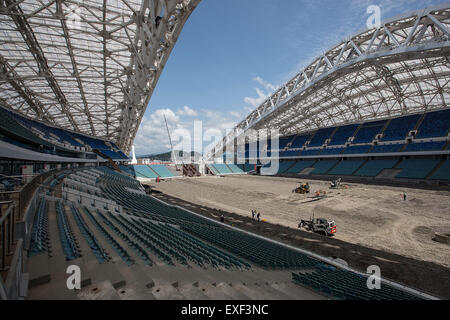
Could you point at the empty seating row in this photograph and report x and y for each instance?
(123, 254)
(114, 188)
(52, 137)
(347, 167)
(408, 168)
(387, 148)
(235, 169)
(143, 171)
(443, 172)
(322, 167)
(40, 237)
(416, 168)
(434, 124)
(299, 166)
(182, 246)
(357, 149)
(199, 250)
(299, 141)
(320, 137)
(68, 241)
(221, 168)
(132, 244)
(425, 146)
(342, 134)
(374, 167)
(347, 285)
(399, 128)
(161, 170)
(100, 253)
(368, 131)
(262, 252)
(282, 166)
(289, 153)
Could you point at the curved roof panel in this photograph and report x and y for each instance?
(87, 65)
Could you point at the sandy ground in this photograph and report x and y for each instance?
(368, 216)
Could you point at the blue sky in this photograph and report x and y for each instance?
(232, 54)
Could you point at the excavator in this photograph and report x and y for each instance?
(302, 189)
(320, 225)
(335, 184)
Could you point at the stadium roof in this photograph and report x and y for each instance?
(400, 68)
(87, 65)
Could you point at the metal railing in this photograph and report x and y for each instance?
(7, 232)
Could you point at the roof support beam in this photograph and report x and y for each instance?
(22, 25)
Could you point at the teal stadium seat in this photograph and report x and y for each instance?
(416, 168)
(346, 167)
(374, 167)
(322, 167)
(443, 172)
(162, 171)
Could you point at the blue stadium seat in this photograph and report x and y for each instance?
(399, 128)
(331, 151)
(425, 146)
(320, 137)
(387, 148)
(342, 134)
(299, 142)
(368, 131)
(435, 124)
(357, 149)
(313, 152)
(289, 153)
(284, 141)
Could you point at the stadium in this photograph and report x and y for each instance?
(364, 130)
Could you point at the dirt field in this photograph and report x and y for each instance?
(367, 217)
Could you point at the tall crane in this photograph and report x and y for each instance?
(172, 155)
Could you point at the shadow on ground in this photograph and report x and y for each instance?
(422, 275)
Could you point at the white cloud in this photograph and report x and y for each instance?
(235, 114)
(262, 94)
(152, 135)
(268, 86)
(186, 111)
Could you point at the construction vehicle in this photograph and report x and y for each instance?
(320, 225)
(335, 184)
(302, 189)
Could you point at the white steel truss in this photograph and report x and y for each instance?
(87, 65)
(400, 68)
